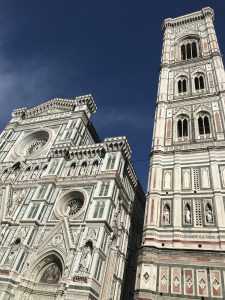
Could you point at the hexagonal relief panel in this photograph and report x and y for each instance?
(70, 204)
(33, 143)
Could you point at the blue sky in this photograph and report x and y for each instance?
(111, 49)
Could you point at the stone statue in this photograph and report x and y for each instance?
(71, 170)
(16, 198)
(83, 169)
(166, 215)
(85, 258)
(94, 169)
(187, 215)
(209, 216)
(11, 257)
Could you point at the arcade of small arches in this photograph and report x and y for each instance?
(84, 169)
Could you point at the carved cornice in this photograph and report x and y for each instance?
(57, 103)
(118, 143)
(192, 61)
(189, 18)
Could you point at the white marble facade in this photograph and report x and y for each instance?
(70, 206)
(184, 229)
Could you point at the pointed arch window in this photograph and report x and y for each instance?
(182, 127)
(204, 125)
(199, 83)
(182, 85)
(189, 50)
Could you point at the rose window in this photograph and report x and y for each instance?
(70, 204)
(34, 143)
(73, 206)
(35, 146)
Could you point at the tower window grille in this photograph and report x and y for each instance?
(182, 85)
(199, 83)
(203, 125)
(189, 50)
(195, 173)
(104, 189)
(182, 128)
(198, 213)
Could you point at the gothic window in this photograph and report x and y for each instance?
(33, 211)
(53, 166)
(189, 50)
(21, 262)
(104, 189)
(203, 124)
(182, 85)
(2, 145)
(182, 127)
(99, 269)
(111, 162)
(199, 83)
(41, 192)
(99, 208)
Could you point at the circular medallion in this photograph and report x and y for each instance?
(57, 239)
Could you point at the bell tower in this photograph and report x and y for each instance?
(183, 249)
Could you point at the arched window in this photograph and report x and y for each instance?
(194, 49)
(199, 83)
(182, 127)
(183, 52)
(182, 85)
(188, 50)
(203, 124)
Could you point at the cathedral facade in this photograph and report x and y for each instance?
(183, 249)
(71, 206)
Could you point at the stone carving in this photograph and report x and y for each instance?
(187, 214)
(166, 215)
(57, 239)
(94, 169)
(208, 213)
(83, 169)
(22, 233)
(13, 252)
(35, 146)
(73, 206)
(86, 256)
(71, 170)
(15, 199)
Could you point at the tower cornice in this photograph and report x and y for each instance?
(189, 18)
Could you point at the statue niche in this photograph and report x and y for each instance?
(86, 256)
